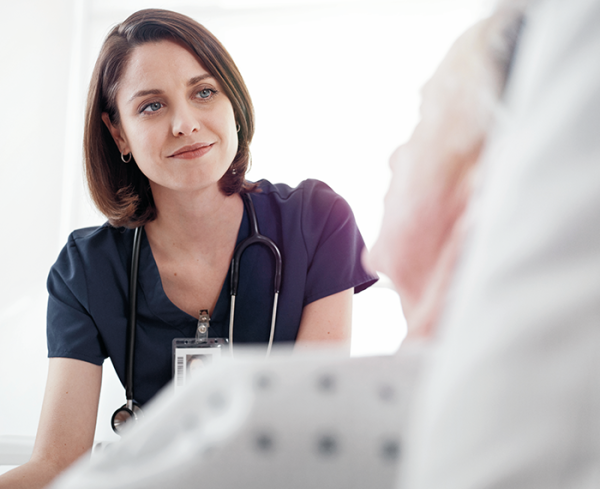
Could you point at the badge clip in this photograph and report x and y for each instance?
(191, 355)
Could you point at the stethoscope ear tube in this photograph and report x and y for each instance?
(131, 321)
(130, 410)
(254, 238)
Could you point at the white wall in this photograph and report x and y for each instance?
(335, 87)
(34, 44)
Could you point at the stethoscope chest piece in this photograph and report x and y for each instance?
(127, 412)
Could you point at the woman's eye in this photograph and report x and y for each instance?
(153, 107)
(205, 93)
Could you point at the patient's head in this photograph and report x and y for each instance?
(433, 171)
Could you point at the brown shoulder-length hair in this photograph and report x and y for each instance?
(121, 191)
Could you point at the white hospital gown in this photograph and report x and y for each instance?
(310, 422)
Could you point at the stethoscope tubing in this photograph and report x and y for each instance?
(132, 319)
(130, 407)
(254, 238)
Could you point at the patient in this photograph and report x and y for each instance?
(433, 172)
(321, 421)
(512, 399)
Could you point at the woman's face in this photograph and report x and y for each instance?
(174, 118)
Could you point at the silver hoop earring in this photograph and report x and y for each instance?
(126, 160)
(233, 171)
(237, 128)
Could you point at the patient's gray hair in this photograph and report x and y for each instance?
(470, 81)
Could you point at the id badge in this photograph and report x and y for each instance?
(193, 354)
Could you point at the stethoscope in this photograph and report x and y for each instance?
(131, 410)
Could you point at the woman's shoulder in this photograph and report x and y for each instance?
(92, 245)
(98, 237)
(312, 205)
(284, 190)
(309, 192)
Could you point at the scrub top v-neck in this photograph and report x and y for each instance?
(150, 284)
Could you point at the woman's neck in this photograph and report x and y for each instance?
(193, 222)
(192, 240)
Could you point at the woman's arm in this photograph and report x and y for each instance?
(328, 319)
(67, 423)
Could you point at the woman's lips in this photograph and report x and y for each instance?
(192, 151)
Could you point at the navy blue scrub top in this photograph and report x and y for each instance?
(320, 245)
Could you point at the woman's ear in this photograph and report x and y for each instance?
(116, 133)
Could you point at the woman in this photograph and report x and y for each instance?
(168, 127)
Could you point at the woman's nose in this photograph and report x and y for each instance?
(185, 121)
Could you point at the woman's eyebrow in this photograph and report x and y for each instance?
(143, 93)
(197, 79)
